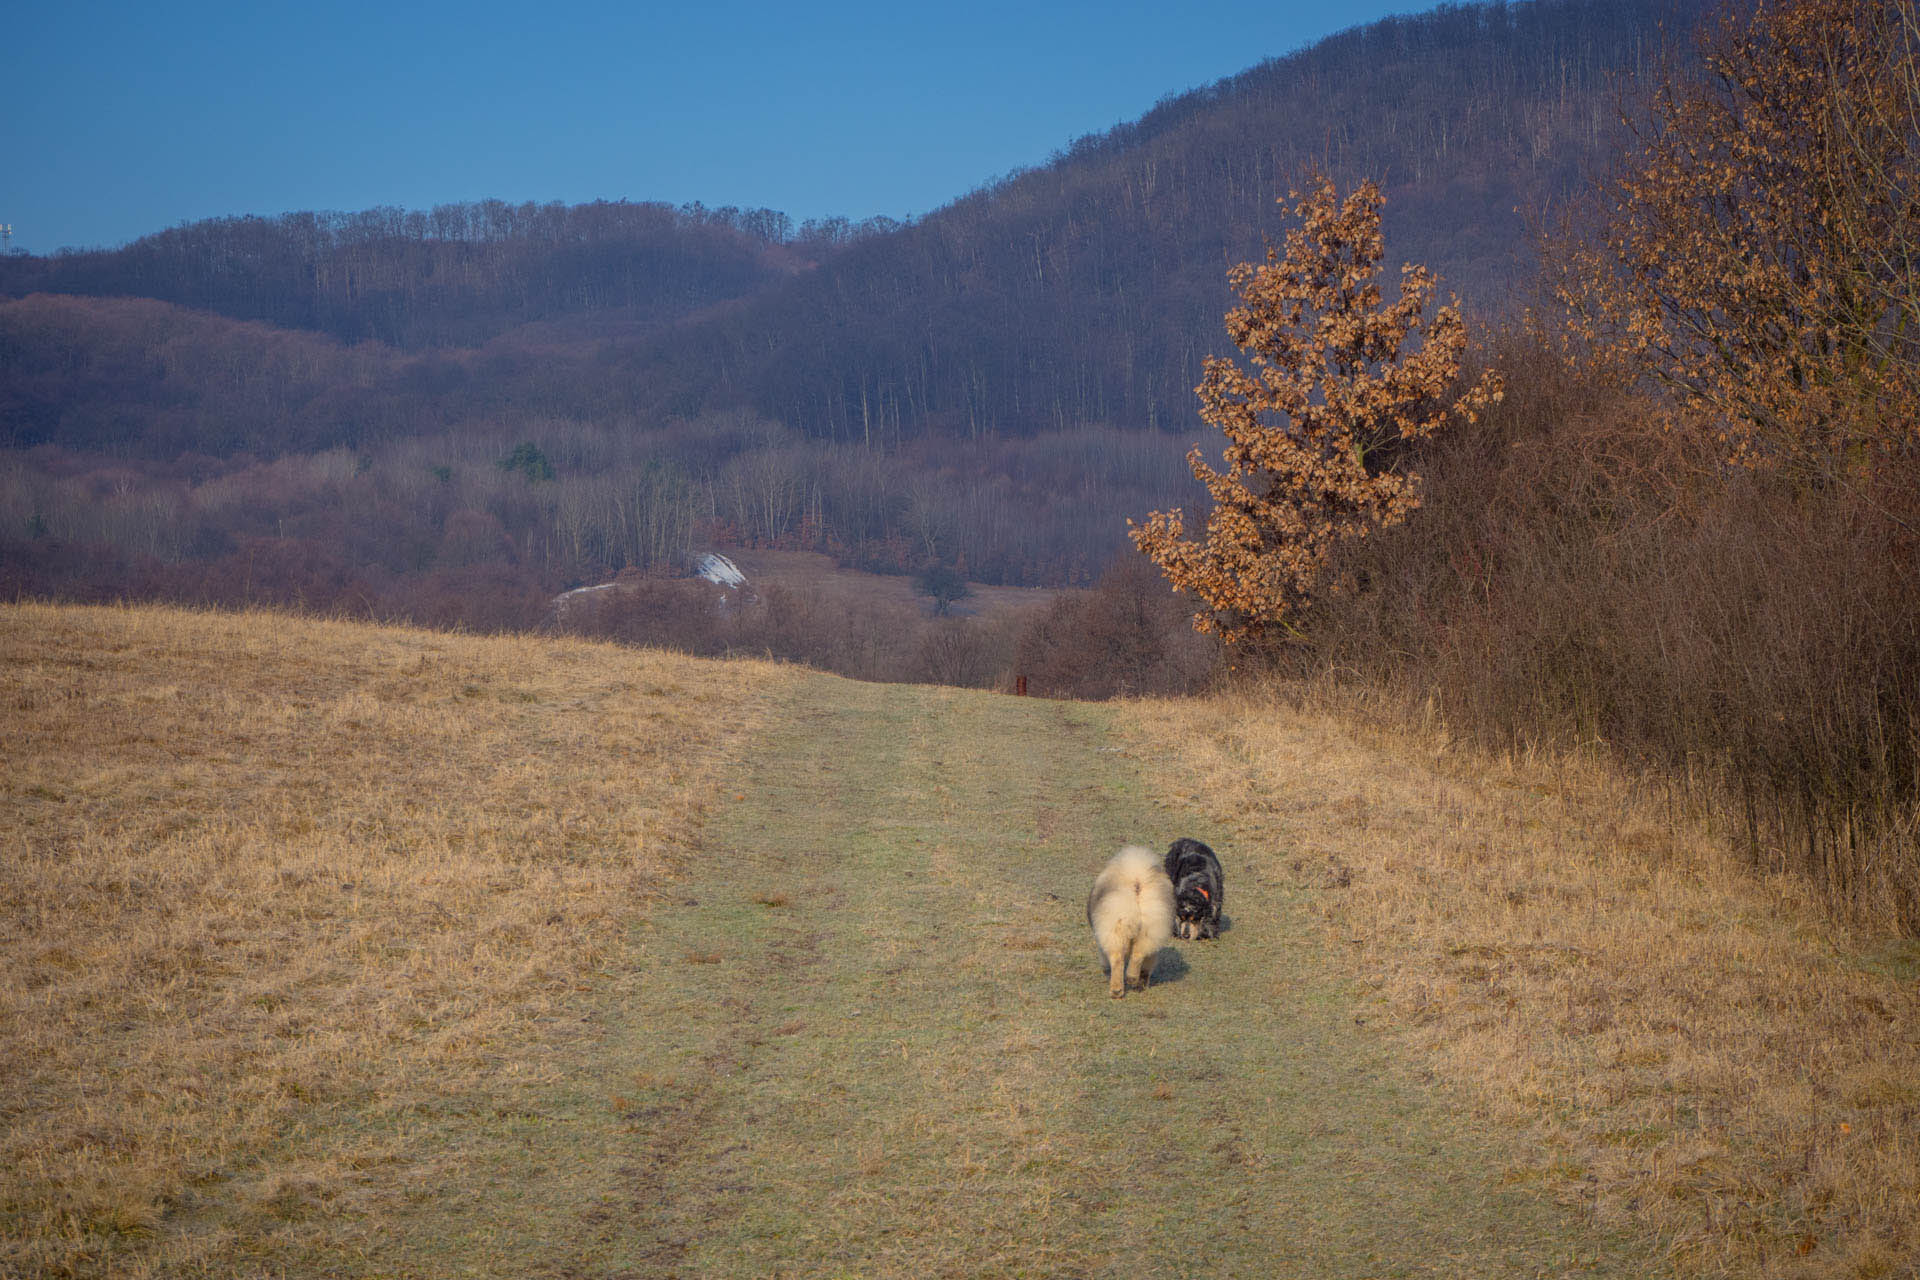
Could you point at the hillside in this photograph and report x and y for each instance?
(454, 276)
(1088, 290)
(365, 951)
(1082, 292)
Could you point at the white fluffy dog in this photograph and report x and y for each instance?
(1131, 912)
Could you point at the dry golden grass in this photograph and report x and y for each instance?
(286, 903)
(1697, 1050)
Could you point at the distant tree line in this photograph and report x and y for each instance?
(455, 275)
(570, 505)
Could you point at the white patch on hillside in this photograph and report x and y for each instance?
(717, 569)
(711, 567)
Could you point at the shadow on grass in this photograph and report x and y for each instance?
(1168, 966)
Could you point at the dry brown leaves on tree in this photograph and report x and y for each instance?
(1759, 249)
(1316, 428)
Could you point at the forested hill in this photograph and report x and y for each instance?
(1083, 292)
(1089, 290)
(456, 275)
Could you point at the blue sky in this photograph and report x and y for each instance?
(121, 119)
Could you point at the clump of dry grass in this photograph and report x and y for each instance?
(279, 894)
(1697, 1050)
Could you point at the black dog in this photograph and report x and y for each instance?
(1199, 889)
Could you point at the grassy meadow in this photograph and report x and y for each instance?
(306, 925)
(346, 950)
(1690, 1047)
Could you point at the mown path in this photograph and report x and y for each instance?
(873, 1039)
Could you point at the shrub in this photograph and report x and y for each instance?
(1582, 578)
(1127, 636)
(527, 460)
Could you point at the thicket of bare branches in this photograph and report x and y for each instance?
(1757, 248)
(1690, 536)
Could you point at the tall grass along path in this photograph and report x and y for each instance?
(872, 1038)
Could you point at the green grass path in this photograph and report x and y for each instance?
(874, 1040)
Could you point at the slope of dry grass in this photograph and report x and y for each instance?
(299, 918)
(1697, 1050)
(332, 949)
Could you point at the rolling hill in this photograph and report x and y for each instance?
(1084, 291)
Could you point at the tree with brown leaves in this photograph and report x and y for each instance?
(1758, 248)
(1316, 429)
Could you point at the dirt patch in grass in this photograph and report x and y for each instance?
(308, 928)
(1695, 1049)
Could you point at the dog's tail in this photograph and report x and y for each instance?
(1139, 887)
